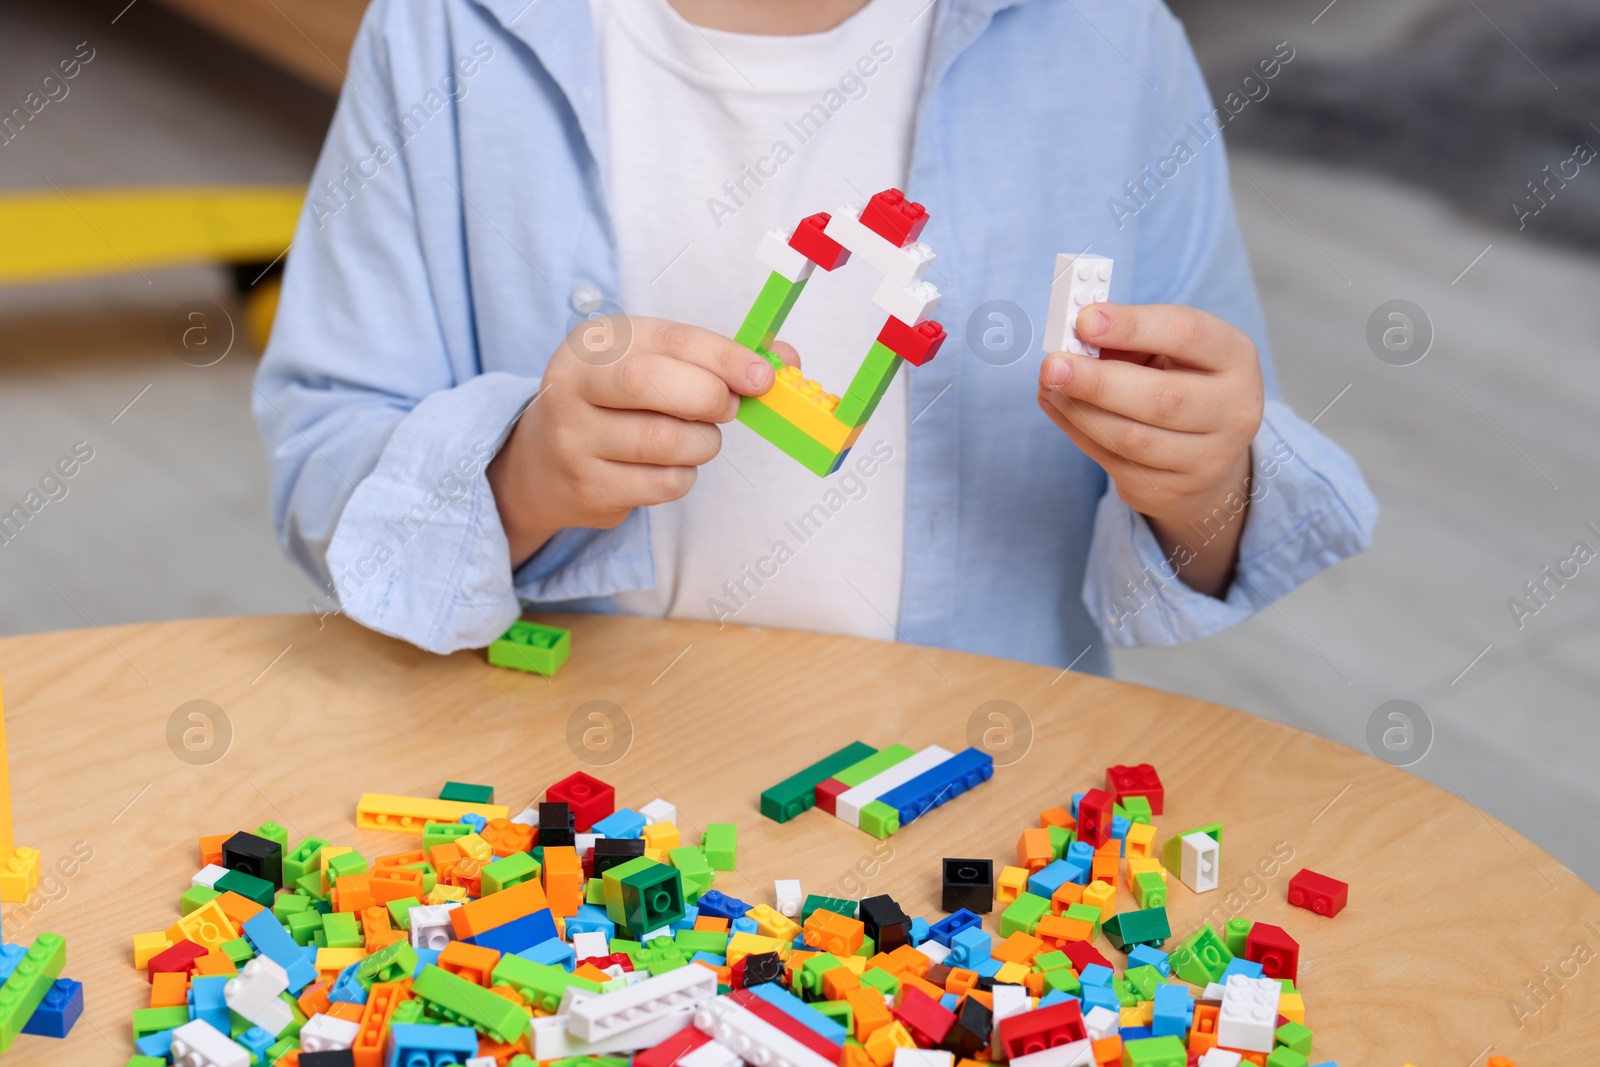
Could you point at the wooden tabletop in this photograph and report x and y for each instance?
(1450, 913)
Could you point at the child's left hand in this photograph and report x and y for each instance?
(1169, 410)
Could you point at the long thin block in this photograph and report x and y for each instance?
(798, 792)
(940, 784)
(408, 815)
(853, 800)
(1079, 281)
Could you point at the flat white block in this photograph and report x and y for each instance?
(208, 875)
(598, 1019)
(851, 801)
(1072, 1054)
(776, 255)
(1101, 1022)
(1197, 864)
(1079, 281)
(324, 1033)
(911, 304)
(902, 265)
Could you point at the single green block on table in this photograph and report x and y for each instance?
(1145, 927)
(1236, 933)
(872, 765)
(507, 872)
(1201, 958)
(1024, 913)
(271, 831)
(880, 820)
(798, 792)
(467, 793)
(248, 886)
(720, 843)
(530, 647)
(1168, 1051)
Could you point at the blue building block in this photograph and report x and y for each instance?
(919, 931)
(207, 1002)
(425, 956)
(1174, 1008)
(928, 790)
(1050, 877)
(592, 918)
(257, 1041)
(691, 912)
(710, 959)
(1240, 965)
(1134, 1033)
(1150, 956)
(1119, 830)
(54, 1016)
(518, 934)
(1096, 974)
(987, 968)
(623, 823)
(800, 1011)
(1100, 996)
(347, 988)
(1075, 798)
(10, 956)
(271, 940)
(554, 952)
(407, 1040)
(720, 906)
(157, 1045)
(477, 822)
(970, 947)
(952, 924)
(744, 925)
(1054, 997)
(949, 1002)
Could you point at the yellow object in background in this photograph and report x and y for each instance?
(19, 867)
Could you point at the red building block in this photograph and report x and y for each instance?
(1035, 1031)
(179, 959)
(891, 216)
(672, 1049)
(914, 344)
(1094, 817)
(1082, 953)
(924, 1018)
(770, 1013)
(1136, 781)
(828, 792)
(809, 240)
(588, 798)
(1273, 948)
(1318, 893)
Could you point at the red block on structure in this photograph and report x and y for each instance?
(1082, 953)
(894, 218)
(1273, 948)
(775, 1016)
(828, 792)
(809, 240)
(914, 344)
(672, 1049)
(1035, 1031)
(588, 798)
(179, 959)
(924, 1018)
(1094, 817)
(1137, 781)
(1318, 893)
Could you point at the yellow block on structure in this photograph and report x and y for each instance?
(72, 232)
(805, 406)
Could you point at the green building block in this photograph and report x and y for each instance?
(467, 793)
(800, 446)
(1084, 913)
(238, 950)
(507, 872)
(691, 941)
(530, 647)
(616, 908)
(1172, 850)
(1127, 994)
(881, 980)
(196, 897)
(594, 892)
(837, 905)
(808, 979)
(302, 861)
(24, 991)
(1152, 890)
(310, 885)
(408, 1011)
(874, 765)
(1063, 980)
(1146, 927)
(439, 833)
(1296, 1036)
(1168, 1051)
(721, 845)
(145, 1061)
(341, 929)
(346, 865)
(772, 305)
(393, 963)
(867, 388)
(459, 1001)
(1236, 933)
(1054, 960)
(839, 1011)
(697, 873)
(400, 911)
(659, 955)
(868, 949)
(880, 820)
(282, 1047)
(305, 926)
(248, 886)
(540, 984)
(1200, 958)
(1024, 914)
(798, 792)
(290, 904)
(147, 1021)
(1138, 809)
(276, 834)
(1060, 838)
(1144, 980)
(652, 898)
(1283, 1056)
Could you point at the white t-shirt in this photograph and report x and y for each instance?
(715, 138)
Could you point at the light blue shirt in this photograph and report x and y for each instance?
(459, 212)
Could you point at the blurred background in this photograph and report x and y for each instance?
(1431, 152)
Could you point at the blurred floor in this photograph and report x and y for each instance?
(1465, 449)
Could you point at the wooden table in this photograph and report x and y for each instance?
(309, 38)
(1451, 912)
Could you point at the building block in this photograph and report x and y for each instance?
(623, 824)
(969, 884)
(324, 1033)
(810, 239)
(1137, 780)
(467, 793)
(610, 1013)
(1078, 282)
(894, 217)
(484, 914)
(853, 800)
(721, 845)
(271, 940)
(1197, 867)
(557, 825)
(911, 304)
(810, 453)
(789, 1024)
(914, 344)
(409, 815)
(788, 896)
(58, 1011)
(1172, 850)
(728, 1024)
(1129, 928)
(586, 797)
(766, 316)
(1273, 948)
(254, 856)
(940, 784)
(532, 647)
(1033, 1031)
(830, 1031)
(457, 1000)
(1094, 818)
(199, 1044)
(809, 408)
(1249, 1013)
(1318, 893)
(885, 922)
(904, 264)
(796, 793)
(255, 994)
(409, 1042)
(779, 256)
(869, 386)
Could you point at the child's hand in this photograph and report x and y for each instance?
(1169, 410)
(606, 434)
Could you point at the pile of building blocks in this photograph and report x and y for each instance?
(813, 426)
(581, 934)
(878, 790)
(529, 646)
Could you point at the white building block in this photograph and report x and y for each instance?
(324, 1033)
(923, 1057)
(199, 1044)
(528, 816)
(1221, 1057)
(1101, 1022)
(911, 304)
(776, 255)
(584, 843)
(208, 875)
(934, 951)
(787, 893)
(254, 994)
(903, 265)
(659, 810)
(710, 1054)
(1197, 863)
(1249, 1015)
(851, 801)
(573, 995)
(755, 1040)
(1072, 1054)
(588, 944)
(1213, 991)
(598, 1019)
(430, 925)
(482, 1061)
(554, 1040)
(1079, 281)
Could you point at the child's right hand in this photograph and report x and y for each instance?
(608, 434)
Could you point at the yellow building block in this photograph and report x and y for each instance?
(148, 946)
(1141, 841)
(1101, 895)
(408, 815)
(742, 945)
(661, 836)
(1011, 973)
(330, 961)
(806, 406)
(771, 922)
(447, 894)
(475, 846)
(1292, 1006)
(19, 874)
(1012, 882)
(1138, 865)
(207, 926)
(885, 1040)
(1141, 1014)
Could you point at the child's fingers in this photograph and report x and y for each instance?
(741, 369)
(1182, 333)
(1119, 468)
(661, 440)
(651, 381)
(1137, 442)
(1174, 399)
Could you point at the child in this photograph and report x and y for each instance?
(462, 420)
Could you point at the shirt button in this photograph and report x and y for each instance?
(586, 298)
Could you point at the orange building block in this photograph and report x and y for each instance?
(1063, 898)
(382, 999)
(237, 908)
(1033, 850)
(832, 932)
(506, 837)
(714, 923)
(215, 962)
(960, 981)
(314, 998)
(1020, 947)
(351, 893)
(1057, 817)
(169, 989)
(1107, 1051)
(563, 880)
(211, 849)
(915, 962)
(482, 915)
(345, 1010)
(389, 883)
(868, 1011)
(472, 962)
(837, 982)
